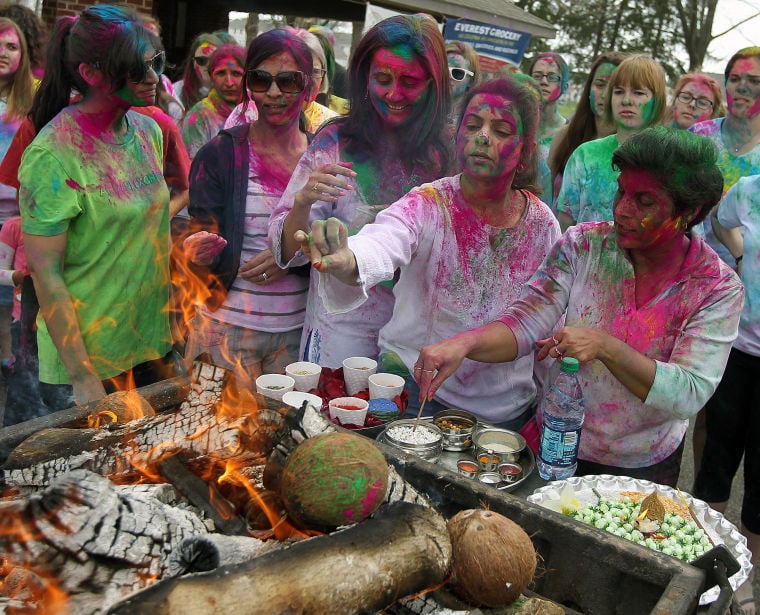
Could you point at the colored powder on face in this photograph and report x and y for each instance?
(646, 112)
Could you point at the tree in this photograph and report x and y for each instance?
(666, 30)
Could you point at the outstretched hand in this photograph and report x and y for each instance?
(328, 182)
(438, 361)
(202, 247)
(327, 248)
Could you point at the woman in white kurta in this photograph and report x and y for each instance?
(465, 246)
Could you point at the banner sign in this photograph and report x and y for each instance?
(495, 42)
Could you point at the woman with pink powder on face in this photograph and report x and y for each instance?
(94, 202)
(465, 245)
(697, 97)
(650, 311)
(393, 139)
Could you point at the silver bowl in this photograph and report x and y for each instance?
(457, 427)
(399, 435)
(495, 445)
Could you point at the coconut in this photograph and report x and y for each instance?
(333, 479)
(493, 559)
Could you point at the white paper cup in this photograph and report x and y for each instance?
(349, 410)
(356, 373)
(305, 374)
(385, 386)
(274, 386)
(296, 399)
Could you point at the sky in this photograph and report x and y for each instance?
(728, 13)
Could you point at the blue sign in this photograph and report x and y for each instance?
(488, 40)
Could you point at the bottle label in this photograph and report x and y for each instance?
(559, 448)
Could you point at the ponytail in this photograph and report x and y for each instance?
(57, 82)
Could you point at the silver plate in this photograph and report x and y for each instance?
(719, 529)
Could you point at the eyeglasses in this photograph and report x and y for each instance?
(550, 77)
(460, 74)
(319, 73)
(290, 82)
(701, 103)
(201, 61)
(157, 64)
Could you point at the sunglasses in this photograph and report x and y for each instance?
(157, 64)
(201, 61)
(460, 74)
(289, 82)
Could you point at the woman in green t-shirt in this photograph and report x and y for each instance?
(95, 211)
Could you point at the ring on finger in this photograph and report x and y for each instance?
(428, 371)
(315, 187)
(555, 340)
(264, 276)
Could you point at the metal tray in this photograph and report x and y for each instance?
(719, 529)
(527, 462)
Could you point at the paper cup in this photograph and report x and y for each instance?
(274, 386)
(305, 374)
(295, 399)
(349, 410)
(356, 373)
(385, 386)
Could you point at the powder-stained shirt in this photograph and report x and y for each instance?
(8, 197)
(281, 304)
(203, 121)
(589, 183)
(111, 200)
(687, 329)
(457, 272)
(732, 167)
(740, 207)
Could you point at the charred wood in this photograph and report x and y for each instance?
(361, 569)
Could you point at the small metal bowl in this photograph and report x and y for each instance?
(457, 427)
(502, 445)
(467, 467)
(510, 472)
(489, 478)
(397, 434)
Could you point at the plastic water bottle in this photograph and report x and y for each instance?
(563, 410)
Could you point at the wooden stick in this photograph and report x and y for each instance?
(419, 414)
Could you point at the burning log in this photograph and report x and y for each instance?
(97, 540)
(124, 452)
(364, 568)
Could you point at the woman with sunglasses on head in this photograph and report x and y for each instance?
(94, 202)
(587, 122)
(697, 97)
(255, 308)
(204, 120)
(196, 80)
(635, 100)
(464, 73)
(315, 113)
(394, 138)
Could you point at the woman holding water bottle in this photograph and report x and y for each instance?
(651, 311)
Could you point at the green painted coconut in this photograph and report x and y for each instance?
(334, 479)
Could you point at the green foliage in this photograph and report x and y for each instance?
(654, 27)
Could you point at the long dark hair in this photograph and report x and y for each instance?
(582, 126)
(191, 84)
(104, 36)
(423, 140)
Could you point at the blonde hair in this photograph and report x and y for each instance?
(639, 71)
(21, 85)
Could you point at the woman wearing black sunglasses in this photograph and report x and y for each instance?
(394, 138)
(93, 202)
(252, 321)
